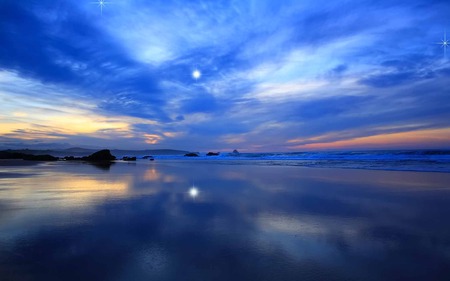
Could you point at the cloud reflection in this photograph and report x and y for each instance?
(282, 222)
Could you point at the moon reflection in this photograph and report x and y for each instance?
(193, 192)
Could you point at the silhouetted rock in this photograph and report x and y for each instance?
(11, 155)
(24, 156)
(70, 158)
(126, 158)
(212, 153)
(235, 153)
(191, 154)
(151, 158)
(100, 156)
(39, 157)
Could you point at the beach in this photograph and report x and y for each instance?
(142, 221)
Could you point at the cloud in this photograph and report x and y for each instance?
(271, 72)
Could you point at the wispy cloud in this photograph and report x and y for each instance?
(275, 76)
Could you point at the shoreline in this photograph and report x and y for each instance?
(323, 164)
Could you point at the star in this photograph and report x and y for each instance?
(445, 43)
(101, 4)
(196, 74)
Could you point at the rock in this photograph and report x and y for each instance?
(151, 158)
(191, 154)
(69, 158)
(212, 153)
(45, 157)
(11, 155)
(234, 153)
(24, 156)
(100, 156)
(126, 158)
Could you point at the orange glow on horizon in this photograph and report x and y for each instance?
(422, 138)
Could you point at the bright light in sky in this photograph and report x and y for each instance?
(193, 192)
(101, 4)
(444, 43)
(196, 74)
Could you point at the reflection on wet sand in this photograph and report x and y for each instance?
(153, 175)
(63, 190)
(222, 222)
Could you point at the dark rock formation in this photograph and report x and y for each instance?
(151, 158)
(70, 158)
(24, 156)
(39, 157)
(212, 153)
(191, 154)
(234, 153)
(11, 155)
(126, 158)
(100, 156)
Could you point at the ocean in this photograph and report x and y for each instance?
(399, 160)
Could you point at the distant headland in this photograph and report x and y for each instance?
(82, 152)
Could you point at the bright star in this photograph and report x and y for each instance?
(193, 192)
(444, 43)
(196, 74)
(101, 4)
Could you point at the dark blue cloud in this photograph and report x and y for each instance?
(70, 51)
(26, 45)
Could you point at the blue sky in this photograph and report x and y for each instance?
(275, 75)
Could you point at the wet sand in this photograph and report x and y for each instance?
(139, 221)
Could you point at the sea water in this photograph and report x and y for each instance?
(400, 160)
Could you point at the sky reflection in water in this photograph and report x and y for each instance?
(71, 221)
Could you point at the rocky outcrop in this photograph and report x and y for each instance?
(191, 154)
(100, 156)
(45, 157)
(234, 153)
(70, 158)
(126, 158)
(11, 155)
(149, 157)
(212, 153)
(24, 156)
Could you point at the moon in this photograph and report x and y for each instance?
(196, 74)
